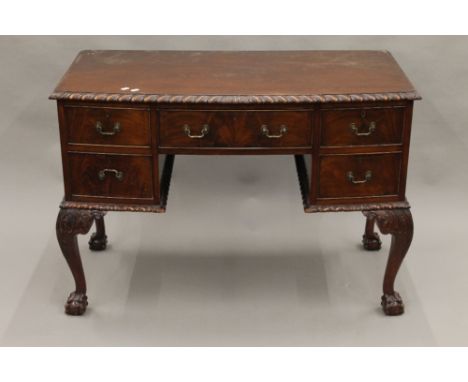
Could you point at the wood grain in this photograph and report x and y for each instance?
(385, 170)
(134, 127)
(336, 126)
(136, 182)
(232, 129)
(234, 77)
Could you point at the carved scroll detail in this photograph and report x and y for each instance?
(73, 222)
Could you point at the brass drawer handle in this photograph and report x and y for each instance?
(355, 129)
(266, 132)
(202, 134)
(370, 130)
(118, 174)
(100, 129)
(367, 177)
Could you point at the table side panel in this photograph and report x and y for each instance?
(330, 184)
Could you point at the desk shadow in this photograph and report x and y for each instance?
(235, 298)
(227, 278)
(231, 299)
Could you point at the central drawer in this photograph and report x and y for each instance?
(217, 128)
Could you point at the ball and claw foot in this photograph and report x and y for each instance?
(97, 242)
(392, 304)
(371, 243)
(76, 304)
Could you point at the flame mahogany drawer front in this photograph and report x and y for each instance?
(111, 176)
(235, 129)
(371, 175)
(362, 126)
(108, 126)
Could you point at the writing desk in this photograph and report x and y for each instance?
(344, 115)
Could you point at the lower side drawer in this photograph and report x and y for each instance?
(347, 176)
(111, 176)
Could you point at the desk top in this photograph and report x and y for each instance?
(235, 77)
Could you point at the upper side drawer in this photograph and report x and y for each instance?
(112, 126)
(364, 126)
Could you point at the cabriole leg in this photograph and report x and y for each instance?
(370, 239)
(98, 240)
(399, 224)
(70, 223)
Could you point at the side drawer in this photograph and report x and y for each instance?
(108, 126)
(111, 176)
(345, 176)
(360, 127)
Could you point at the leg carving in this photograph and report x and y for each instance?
(399, 224)
(98, 240)
(370, 239)
(70, 223)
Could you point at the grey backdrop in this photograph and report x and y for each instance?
(234, 261)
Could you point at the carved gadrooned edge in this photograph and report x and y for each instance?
(112, 207)
(358, 207)
(234, 99)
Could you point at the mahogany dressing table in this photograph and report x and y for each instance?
(345, 116)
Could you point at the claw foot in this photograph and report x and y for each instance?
(371, 242)
(392, 304)
(97, 242)
(76, 304)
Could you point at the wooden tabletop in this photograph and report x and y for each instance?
(234, 77)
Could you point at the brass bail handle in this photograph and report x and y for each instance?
(204, 131)
(266, 132)
(100, 129)
(370, 130)
(118, 174)
(367, 177)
